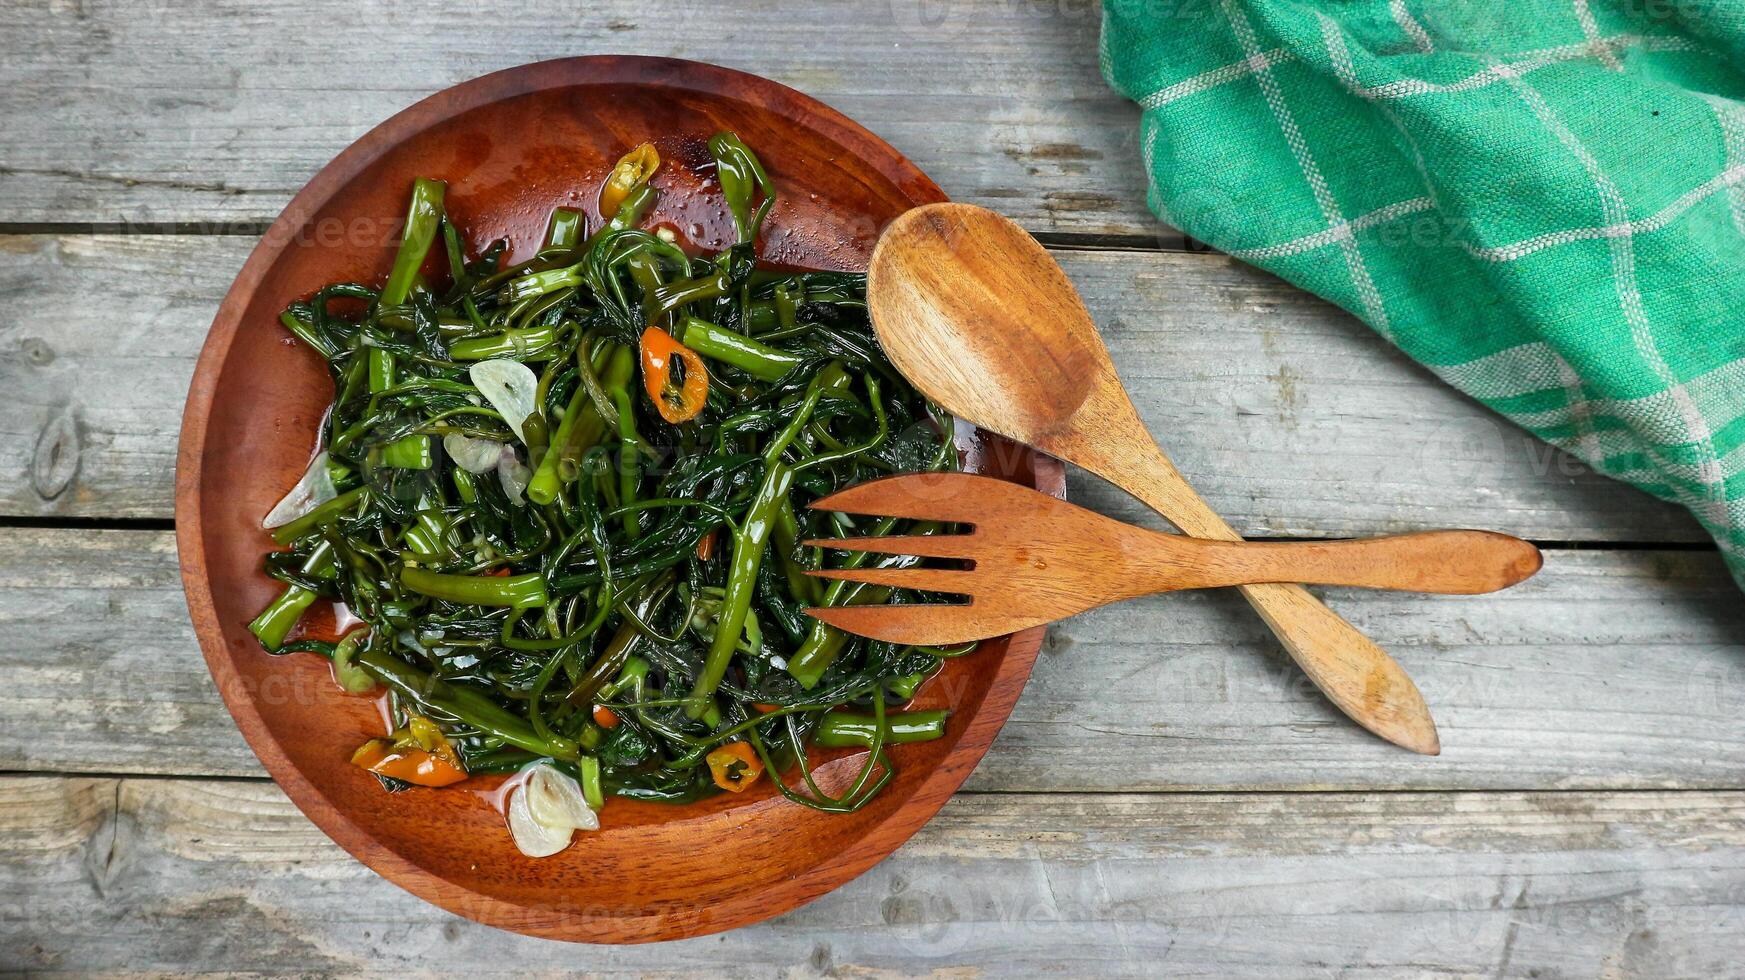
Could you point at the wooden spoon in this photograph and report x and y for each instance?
(980, 318)
(1037, 559)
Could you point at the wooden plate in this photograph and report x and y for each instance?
(513, 145)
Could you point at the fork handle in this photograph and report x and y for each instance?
(1447, 562)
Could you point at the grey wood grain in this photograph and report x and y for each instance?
(186, 875)
(1170, 794)
(156, 111)
(1609, 670)
(99, 338)
(1291, 416)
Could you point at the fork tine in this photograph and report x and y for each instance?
(927, 625)
(955, 581)
(920, 545)
(953, 497)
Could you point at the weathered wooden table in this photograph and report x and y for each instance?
(1170, 795)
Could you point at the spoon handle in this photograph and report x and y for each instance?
(1356, 675)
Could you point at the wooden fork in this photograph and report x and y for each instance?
(1037, 559)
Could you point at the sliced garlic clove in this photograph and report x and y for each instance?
(545, 810)
(312, 490)
(472, 455)
(532, 837)
(509, 386)
(556, 800)
(513, 475)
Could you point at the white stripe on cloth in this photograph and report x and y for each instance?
(1696, 429)
(1730, 115)
(1334, 40)
(1531, 61)
(1538, 368)
(1732, 511)
(1367, 294)
(1105, 59)
(1215, 77)
(1409, 24)
(1338, 233)
(1508, 373)
(1526, 369)
(1724, 530)
(1731, 177)
(1614, 443)
(1580, 415)
(1341, 230)
(1532, 367)
(1717, 392)
(1591, 30)
(1617, 444)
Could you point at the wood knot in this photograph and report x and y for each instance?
(56, 460)
(37, 351)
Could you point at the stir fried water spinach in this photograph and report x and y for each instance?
(566, 501)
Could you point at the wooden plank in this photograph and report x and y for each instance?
(165, 112)
(1610, 669)
(99, 346)
(1291, 416)
(189, 875)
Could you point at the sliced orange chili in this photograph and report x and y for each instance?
(407, 763)
(658, 350)
(630, 172)
(764, 709)
(734, 766)
(605, 717)
(706, 547)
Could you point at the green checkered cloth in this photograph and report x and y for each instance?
(1543, 201)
